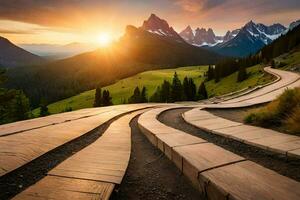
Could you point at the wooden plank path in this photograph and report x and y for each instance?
(263, 95)
(93, 172)
(18, 149)
(216, 172)
(40, 122)
(288, 145)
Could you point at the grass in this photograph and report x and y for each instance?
(123, 89)
(256, 76)
(291, 61)
(282, 113)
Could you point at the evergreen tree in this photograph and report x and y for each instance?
(192, 90)
(189, 89)
(156, 95)
(14, 105)
(273, 65)
(242, 74)
(165, 92)
(98, 97)
(176, 89)
(186, 89)
(136, 97)
(202, 93)
(106, 98)
(44, 108)
(143, 98)
(21, 106)
(210, 73)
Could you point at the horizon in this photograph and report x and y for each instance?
(56, 22)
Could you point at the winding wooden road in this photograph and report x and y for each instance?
(94, 171)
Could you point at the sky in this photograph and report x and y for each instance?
(66, 21)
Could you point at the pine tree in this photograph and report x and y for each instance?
(202, 93)
(43, 108)
(136, 97)
(242, 74)
(176, 89)
(98, 97)
(106, 98)
(156, 95)
(21, 106)
(192, 90)
(165, 92)
(143, 98)
(186, 89)
(210, 73)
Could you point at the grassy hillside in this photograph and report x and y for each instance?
(123, 89)
(290, 61)
(229, 84)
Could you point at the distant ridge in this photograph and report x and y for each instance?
(14, 56)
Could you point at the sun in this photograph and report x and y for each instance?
(104, 39)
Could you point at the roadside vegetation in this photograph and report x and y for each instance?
(14, 105)
(284, 112)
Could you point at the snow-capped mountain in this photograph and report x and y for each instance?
(200, 36)
(160, 27)
(250, 39)
(294, 24)
(230, 35)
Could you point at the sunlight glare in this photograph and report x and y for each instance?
(104, 39)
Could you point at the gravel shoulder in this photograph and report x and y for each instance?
(151, 175)
(276, 162)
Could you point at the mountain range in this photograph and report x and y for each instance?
(14, 56)
(154, 45)
(237, 43)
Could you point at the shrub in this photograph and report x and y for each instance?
(292, 123)
(281, 111)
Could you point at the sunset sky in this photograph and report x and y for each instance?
(65, 21)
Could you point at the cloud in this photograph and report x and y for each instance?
(198, 5)
(6, 31)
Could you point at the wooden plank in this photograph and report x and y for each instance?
(215, 123)
(104, 160)
(57, 188)
(177, 138)
(284, 147)
(200, 157)
(274, 140)
(294, 153)
(247, 180)
(19, 149)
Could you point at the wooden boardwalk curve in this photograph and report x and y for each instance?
(18, 149)
(216, 172)
(93, 172)
(288, 145)
(288, 80)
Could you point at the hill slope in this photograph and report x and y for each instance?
(137, 51)
(14, 56)
(123, 89)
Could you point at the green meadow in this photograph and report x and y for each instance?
(123, 89)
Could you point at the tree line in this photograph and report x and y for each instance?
(165, 93)
(179, 91)
(14, 105)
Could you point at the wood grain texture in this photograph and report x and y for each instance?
(57, 188)
(18, 149)
(248, 180)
